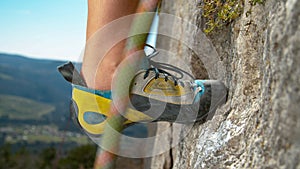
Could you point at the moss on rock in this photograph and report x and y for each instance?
(222, 12)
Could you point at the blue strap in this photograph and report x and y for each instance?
(199, 83)
(102, 93)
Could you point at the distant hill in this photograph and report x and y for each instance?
(35, 83)
(31, 78)
(15, 107)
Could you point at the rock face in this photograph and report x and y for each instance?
(259, 126)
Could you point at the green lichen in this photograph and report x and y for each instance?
(219, 13)
(254, 2)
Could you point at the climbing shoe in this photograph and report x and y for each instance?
(90, 108)
(155, 95)
(162, 98)
(158, 93)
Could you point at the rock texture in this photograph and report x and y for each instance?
(259, 127)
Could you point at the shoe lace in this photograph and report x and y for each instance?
(160, 68)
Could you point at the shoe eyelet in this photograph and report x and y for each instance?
(175, 83)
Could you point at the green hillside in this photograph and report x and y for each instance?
(34, 105)
(31, 89)
(15, 107)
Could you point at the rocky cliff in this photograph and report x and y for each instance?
(259, 126)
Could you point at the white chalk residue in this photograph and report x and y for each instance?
(211, 141)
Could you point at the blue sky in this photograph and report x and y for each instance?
(52, 29)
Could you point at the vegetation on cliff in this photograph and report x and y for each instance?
(222, 12)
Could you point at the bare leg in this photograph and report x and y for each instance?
(101, 12)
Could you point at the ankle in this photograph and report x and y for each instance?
(99, 78)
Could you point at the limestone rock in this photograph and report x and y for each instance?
(259, 126)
